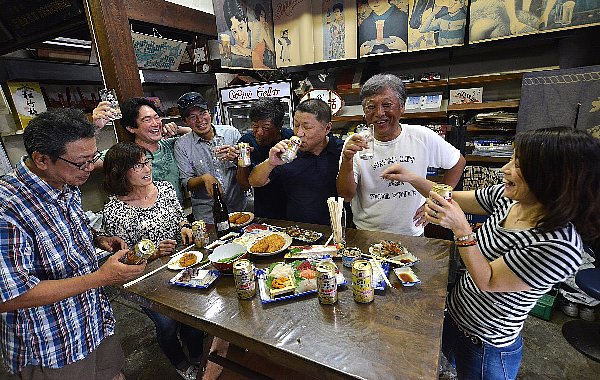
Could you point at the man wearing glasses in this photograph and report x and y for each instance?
(207, 156)
(141, 118)
(55, 318)
(266, 117)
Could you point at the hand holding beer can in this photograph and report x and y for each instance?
(444, 190)
(244, 155)
(290, 154)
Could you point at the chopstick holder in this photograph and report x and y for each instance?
(159, 268)
(382, 272)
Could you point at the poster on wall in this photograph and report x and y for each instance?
(568, 14)
(435, 23)
(560, 98)
(245, 31)
(382, 26)
(28, 101)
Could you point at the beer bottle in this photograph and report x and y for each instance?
(220, 213)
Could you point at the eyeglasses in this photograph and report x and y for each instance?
(140, 165)
(86, 164)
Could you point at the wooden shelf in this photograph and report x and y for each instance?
(347, 91)
(424, 85)
(484, 79)
(48, 71)
(425, 115)
(486, 105)
(347, 118)
(475, 128)
(474, 158)
(177, 77)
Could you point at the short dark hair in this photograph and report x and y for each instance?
(231, 9)
(380, 82)
(267, 109)
(51, 131)
(338, 6)
(316, 107)
(118, 160)
(258, 8)
(130, 110)
(560, 166)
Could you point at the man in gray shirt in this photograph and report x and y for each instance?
(202, 162)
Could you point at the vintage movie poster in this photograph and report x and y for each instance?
(245, 31)
(382, 26)
(292, 21)
(435, 23)
(334, 31)
(567, 14)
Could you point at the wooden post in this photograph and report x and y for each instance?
(109, 23)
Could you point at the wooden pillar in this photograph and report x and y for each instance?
(110, 25)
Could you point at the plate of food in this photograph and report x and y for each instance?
(302, 234)
(407, 277)
(310, 251)
(195, 278)
(269, 243)
(240, 219)
(281, 281)
(393, 252)
(185, 260)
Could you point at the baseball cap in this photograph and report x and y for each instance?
(190, 100)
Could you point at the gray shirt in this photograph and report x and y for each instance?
(194, 158)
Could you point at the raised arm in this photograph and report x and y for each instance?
(345, 183)
(260, 174)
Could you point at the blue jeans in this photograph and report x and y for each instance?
(169, 342)
(482, 361)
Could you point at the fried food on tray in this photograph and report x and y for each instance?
(187, 259)
(239, 218)
(268, 244)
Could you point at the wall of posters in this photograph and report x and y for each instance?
(334, 34)
(245, 29)
(434, 23)
(382, 27)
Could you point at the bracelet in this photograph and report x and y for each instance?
(468, 237)
(468, 243)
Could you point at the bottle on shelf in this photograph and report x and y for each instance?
(220, 213)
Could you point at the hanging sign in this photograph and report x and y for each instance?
(157, 53)
(328, 96)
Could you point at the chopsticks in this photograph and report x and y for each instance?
(329, 240)
(157, 269)
(336, 207)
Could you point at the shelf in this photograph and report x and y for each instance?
(474, 158)
(347, 91)
(475, 128)
(177, 77)
(424, 115)
(14, 69)
(347, 118)
(485, 79)
(483, 106)
(424, 85)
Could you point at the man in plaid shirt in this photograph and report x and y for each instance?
(55, 318)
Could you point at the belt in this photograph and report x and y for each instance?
(473, 338)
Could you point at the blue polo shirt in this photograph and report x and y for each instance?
(269, 200)
(308, 181)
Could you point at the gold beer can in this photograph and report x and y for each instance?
(244, 277)
(362, 281)
(443, 190)
(244, 155)
(327, 283)
(199, 233)
(140, 252)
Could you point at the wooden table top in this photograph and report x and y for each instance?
(396, 336)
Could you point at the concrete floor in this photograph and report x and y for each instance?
(546, 355)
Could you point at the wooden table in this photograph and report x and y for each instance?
(396, 336)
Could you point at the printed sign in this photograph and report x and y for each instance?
(253, 92)
(466, 95)
(330, 97)
(157, 53)
(28, 100)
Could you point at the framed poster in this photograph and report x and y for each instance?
(28, 101)
(245, 30)
(334, 30)
(382, 27)
(435, 23)
(569, 14)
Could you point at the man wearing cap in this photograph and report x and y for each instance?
(141, 118)
(202, 162)
(266, 119)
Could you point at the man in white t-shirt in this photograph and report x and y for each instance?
(382, 205)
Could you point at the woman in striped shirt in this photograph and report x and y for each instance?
(548, 203)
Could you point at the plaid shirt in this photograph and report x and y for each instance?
(45, 235)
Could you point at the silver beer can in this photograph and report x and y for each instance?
(327, 283)
(244, 277)
(290, 154)
(244, 155)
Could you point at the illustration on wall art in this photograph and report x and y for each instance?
(382, 27)
(435, 23)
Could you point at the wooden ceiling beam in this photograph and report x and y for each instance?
(160, 12)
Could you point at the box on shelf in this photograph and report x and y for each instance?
(545, 305)
(466, 95)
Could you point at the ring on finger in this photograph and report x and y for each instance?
(435, 214)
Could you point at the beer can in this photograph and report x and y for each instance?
(362, 281)
(443, 190)
(349, 255)
(140, 252)
(244, 277)
(199, 233)
(290, 154)
(327, 283)
(244, 155)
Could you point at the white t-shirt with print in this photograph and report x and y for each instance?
(381, 205)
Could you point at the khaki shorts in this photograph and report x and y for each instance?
(104, 363)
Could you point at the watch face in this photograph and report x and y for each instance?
(205, 68)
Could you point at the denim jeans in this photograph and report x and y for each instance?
(169, 342)
(483, 361)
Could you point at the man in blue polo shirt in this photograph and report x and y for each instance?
(266, 117)
(309, 180)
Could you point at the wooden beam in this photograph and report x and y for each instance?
(160, 12)
(115, 50)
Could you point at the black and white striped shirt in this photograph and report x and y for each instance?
(539, 259)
